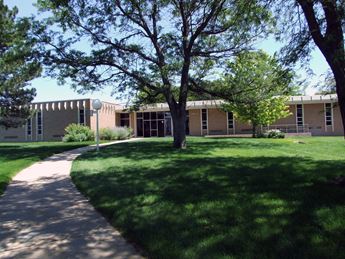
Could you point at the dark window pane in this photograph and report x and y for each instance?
(154, 133)
(124, 123)
(160, 128)
(146, 115)
(160, 115)
(329, 123)
(140, 130)
(124, 115)
(168, 128)
(139, 115)
(81, 116)
(153, 124)
(153, 115)
(204, 114)
(146, 128)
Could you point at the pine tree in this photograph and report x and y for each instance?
(18, 65)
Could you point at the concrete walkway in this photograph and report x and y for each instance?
(42, 215)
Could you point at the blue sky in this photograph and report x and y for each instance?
(48, 89)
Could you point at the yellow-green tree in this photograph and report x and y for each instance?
(256, 88)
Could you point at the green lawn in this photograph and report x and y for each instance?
(222, 198)
(16, 156)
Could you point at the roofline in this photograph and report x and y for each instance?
(216, 103)
(302, 99)
(68, 100)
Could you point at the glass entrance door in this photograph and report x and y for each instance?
(168, 124)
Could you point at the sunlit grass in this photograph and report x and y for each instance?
(16, 156)
(222, 198)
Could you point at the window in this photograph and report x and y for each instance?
(39, 123)
(140, 128)
(328, 114)
(29, 127)
(124, 119)
(230, 120)
(204, 119)
(299, 114)
(81, 116)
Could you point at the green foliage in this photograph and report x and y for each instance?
(304, 24)
(256, 88)
(19, 63)
(118, 133)
(78, 133)
(274, 133)
(106, 134)
(327, 84)
(17, 156)
(150, 48)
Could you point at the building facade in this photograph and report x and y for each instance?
(317, 115)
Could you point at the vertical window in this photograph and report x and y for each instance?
(168, 124)
(299, 114)
(140, 129)
(328, 114)
(39, 123)
(124, 119)
(204, 119)
(29, 127)
(81, 116)
(230, 120)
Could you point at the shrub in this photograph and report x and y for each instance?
(107, 134)
(274, 133)
(118, 133)
(77, 133)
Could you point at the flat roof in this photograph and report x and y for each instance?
(208, 103)
(216, 103)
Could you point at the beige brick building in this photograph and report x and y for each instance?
(318, 115)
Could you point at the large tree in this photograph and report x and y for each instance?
(256, 87)
(319, 22)
(156, 45)
(18, 65)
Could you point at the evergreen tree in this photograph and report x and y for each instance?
(18, 65)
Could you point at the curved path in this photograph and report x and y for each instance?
(42, 215)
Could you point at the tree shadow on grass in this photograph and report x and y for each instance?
(51, 219)
(214, 207)
(148, 149)
(39, 152)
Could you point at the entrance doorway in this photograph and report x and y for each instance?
(156, 124)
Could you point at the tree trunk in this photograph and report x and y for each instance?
(331, 44)
(254, 131)
(340, 86)
(179, 124)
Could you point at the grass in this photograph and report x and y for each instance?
(16, 156)
(222, 198)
